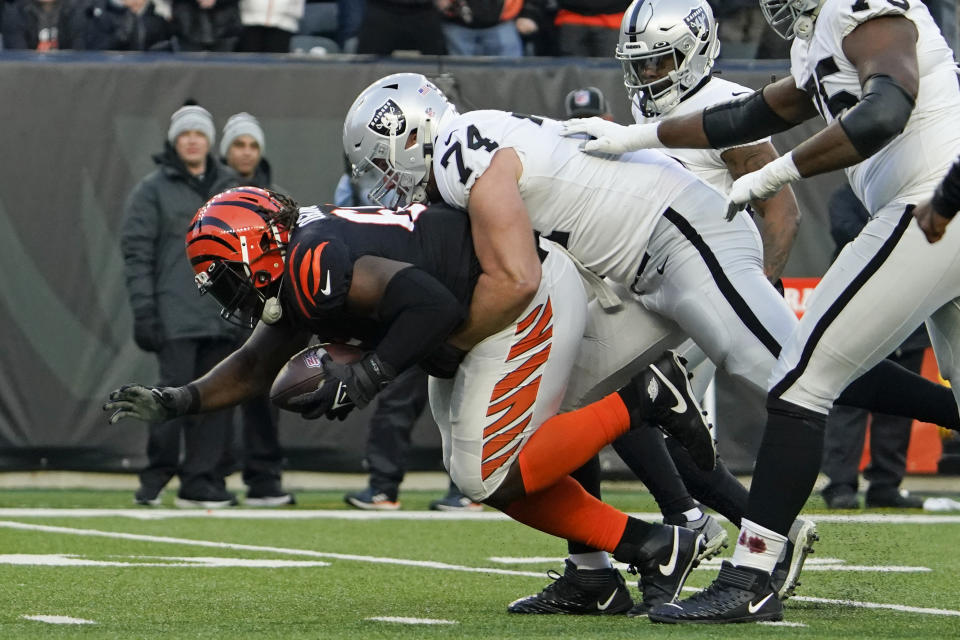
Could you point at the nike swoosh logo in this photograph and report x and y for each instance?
(681, 405)
(603, 607)
(667, 569)
(326, 288)
(741, 93)
(341, 399)
(661, 267)
(753, 608)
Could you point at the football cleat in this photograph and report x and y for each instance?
(739, 594)
(579, 592)
(800, 540)
(715, 536)
(669, 402)
(371, 500)
(663, 561)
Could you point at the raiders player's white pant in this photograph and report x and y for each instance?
(706, 275)
(881, 287)
(511, 382)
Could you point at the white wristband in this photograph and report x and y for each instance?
(643, 136)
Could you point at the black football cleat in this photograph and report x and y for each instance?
(579, 592)
(739, 594)
(668, 401)
(786, 573)
(663, 561)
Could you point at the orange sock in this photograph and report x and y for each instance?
(568, 511)
(565, 442)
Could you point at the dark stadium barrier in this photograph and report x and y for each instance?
(78, 131)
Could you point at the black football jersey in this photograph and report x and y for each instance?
(327, 241)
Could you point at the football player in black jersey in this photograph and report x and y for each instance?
(401, 282)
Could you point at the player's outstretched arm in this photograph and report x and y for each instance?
(935, 214)
(245, 373)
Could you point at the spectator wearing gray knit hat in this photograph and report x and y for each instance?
(169, 318)
(242, 146)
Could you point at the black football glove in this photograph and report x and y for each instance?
(444, 361)
(150, 404)
(146, 331)
(344, 387)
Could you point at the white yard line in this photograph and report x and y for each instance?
(403, 562)
(59, 619)
(148, 513)
(410, 620)
(263, 549)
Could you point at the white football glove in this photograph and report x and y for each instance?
(612, 137)
(762, 184)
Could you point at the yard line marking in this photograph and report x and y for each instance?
(782, 623)
(812, 564)
(153, 513)
(410, 620)
(398, 561)
(878, 605)
(250, 547)
(74, 560)
(59, 619)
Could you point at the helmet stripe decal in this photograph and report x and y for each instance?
(634, 17)
(212, 238)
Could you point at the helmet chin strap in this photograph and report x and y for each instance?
(419, 192)
(803, 26)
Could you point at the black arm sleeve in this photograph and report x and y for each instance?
(420, 313)
(741, 121)
(946, 199)
(880, 115)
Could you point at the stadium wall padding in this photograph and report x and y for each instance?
(77, 133)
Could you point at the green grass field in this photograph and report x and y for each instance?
(306, 573)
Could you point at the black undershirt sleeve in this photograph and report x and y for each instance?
(420, 313)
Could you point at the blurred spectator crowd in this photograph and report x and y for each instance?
(509, 28)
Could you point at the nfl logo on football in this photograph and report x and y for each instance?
(311, 359)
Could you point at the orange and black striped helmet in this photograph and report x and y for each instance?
(237, 251)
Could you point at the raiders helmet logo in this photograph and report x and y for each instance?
(697, 22)
(388, 119)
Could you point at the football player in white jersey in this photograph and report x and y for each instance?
(638, 219)
(883, 78)
(667, 49)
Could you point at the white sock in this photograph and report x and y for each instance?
(693, 514)
(757, 547)
(591, 561)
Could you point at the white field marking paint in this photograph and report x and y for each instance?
(59, 619)
(144, 513)
(250, 547)
(812, 564)
(410, 620)
(783, 623)
(71, 560)
(866, 605)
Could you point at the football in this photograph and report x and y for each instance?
(303, 373)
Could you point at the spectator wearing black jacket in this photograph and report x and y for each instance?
(401, 25)
(206, 25)
(589, 28)
(170, 319)
(126, 25)
(44, 25)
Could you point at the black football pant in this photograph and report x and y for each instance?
(207, 437)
